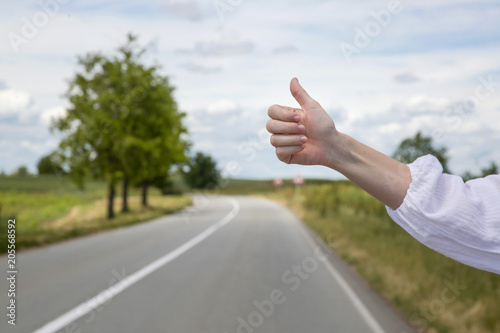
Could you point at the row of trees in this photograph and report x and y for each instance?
(492, 169)
(122, 123)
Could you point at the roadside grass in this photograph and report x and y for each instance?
(90, 218)
(249, 186)
(48, 210)
(433, 292)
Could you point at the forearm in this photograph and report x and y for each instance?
(381, 176)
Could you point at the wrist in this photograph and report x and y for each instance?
(339, 154)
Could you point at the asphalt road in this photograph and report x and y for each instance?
(231, 264)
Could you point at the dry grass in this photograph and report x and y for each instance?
(412, 277)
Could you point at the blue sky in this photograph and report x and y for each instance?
(429, 65)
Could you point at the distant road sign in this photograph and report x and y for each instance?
(298, 180)
(277, 182)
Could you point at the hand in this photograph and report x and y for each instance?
(308, 136)
(302, 136)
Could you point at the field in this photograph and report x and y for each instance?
(48, 209)
(434, 293)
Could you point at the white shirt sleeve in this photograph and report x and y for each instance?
(460, 220)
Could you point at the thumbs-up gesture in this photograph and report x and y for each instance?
(308, 136)
(302, 136)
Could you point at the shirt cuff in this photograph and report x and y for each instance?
(425, 172)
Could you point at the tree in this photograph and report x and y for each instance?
(122, 123)
(48, 165)
(91, 125)
(21, 171)
(412, 148)
(202, 172)
(467, 175)
(153, 130)
(491, 170)
(166, 185)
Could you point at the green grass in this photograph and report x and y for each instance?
(248, 186)
(43, 183)
(33, 209)
(34, 201)
(37, 202)
(90, 218)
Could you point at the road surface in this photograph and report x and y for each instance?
(230, 264)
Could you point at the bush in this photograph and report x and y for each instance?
(329, 198)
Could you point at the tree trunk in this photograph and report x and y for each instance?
(124, 195)
(111, 199)
(144, 193)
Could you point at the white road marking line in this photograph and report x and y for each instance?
(358, 304)
(114, 290)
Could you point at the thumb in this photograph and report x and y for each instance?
(300, 95)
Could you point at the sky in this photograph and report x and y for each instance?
(382, 69)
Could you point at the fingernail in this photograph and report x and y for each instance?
(303, 146)
(303, 138)
(301, 128)
(296, 118)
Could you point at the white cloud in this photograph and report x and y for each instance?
(406, 78)
(200, 129)
(222, 106)
(423, 103)
(185, 8)
(40, 147)
(199, 68)
(48, 115)
(286, 48)
(13, 101)
(228, 45)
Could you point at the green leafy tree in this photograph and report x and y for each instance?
(47, 165)
(154, 135)
(122, 123)
(202, 172)
(91, 126)
(467, 175)
(412, 148)
(492, 169)
(21, 171)
(166, 185)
